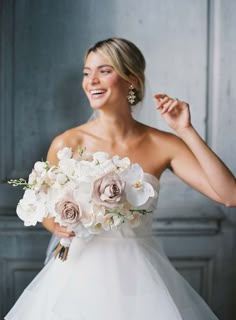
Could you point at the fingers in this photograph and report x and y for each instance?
(160, 95)
(165, 103)
(62, 232)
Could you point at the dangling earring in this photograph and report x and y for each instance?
(131, 95)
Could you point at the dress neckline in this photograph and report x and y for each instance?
(153, 178)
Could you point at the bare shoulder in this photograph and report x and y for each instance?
(164, 145)
(70, 138)
(162, 137)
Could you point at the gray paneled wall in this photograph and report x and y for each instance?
(190, 50)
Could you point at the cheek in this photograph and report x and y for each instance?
(84, 85)
(119, 85)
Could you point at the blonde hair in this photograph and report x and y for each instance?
(126, 59)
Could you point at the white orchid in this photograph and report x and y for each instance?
(138, 191)
(32, 209)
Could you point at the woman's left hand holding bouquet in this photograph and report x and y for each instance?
(60, 232)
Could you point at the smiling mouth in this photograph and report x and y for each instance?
(96, 93)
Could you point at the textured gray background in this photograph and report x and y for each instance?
(190, 50)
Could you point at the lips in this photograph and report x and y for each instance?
(97, 92)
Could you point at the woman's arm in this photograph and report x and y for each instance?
(218, 175)
(193, 161)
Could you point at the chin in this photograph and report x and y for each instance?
(97, 105)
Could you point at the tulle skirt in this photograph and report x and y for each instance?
(111, 278)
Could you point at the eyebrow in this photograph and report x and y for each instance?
(99, 67)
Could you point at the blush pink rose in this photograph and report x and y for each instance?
(108, 190)
(69, 211)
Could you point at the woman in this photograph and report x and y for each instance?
(123, 274)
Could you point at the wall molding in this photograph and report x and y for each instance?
(13, 271)
(213, 70)
(7, 46)
(161, 226)
(201, 265)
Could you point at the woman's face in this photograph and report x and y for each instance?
(102, 85)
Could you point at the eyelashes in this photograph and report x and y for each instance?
(102, 71)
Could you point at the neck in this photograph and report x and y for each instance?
(116, 125)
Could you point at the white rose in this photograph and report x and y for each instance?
(65, 153)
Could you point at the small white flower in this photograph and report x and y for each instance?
(121, 163)
(32, 177)
(68, 167)
(65, 153)
(84, 154)
(52, 174)
(100, 157)
(104, 221)
(86, 170)
(40, 167)
(61, 178)
(125, 212)
(118, 220)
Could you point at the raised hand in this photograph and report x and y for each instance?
(175, 112)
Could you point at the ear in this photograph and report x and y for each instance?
(134, 81)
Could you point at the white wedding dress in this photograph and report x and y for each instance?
(120, 275)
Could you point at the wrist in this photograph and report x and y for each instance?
(49, 224)
(185, 131)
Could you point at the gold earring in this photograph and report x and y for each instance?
(131, 95)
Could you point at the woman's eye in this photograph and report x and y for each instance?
(105, 71)
(85, 74)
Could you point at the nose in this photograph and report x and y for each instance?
(93, 79)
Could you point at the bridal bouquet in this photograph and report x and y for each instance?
(89, 195)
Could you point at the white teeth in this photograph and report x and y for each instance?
(97, 91)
